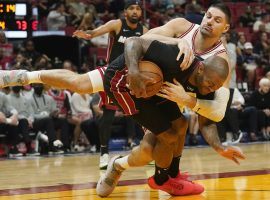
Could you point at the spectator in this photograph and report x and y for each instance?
(261, 100)
(262, 46)
(193, 14)
(44, 108)
(73, 18)
(30, 52)
(4, 61)
(60, 118)
(21, 62)
(240, 44)
(80, 106)
(56, 19)
(6, 47)
(247, 19)
(231, 50)
(249, 64)
(25, 117)
(265, 21)
(8, 125)
(237, 113)
(193, 126)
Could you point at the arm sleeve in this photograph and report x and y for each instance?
(213, 109)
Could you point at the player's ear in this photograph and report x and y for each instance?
(226, 29)
(201, 68)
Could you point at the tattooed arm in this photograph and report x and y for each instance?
(135, 48)
(209, 131)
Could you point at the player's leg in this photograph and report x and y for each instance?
(104, 126)
(60, 78)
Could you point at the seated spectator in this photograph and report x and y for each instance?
(262, 46)
(56, 19)
(193, 126)
(8, 125)
(80, 106)
(25, 117)
(193, 14)
(60, 118)
(248, 62)
(30, 52)
(264, 20)
(21, 62)
(247, 19)
(261, 100)
(240, 44)
(44, 108)
(4, 61)
(235, 114)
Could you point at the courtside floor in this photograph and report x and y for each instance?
(75, 176)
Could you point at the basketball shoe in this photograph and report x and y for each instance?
(13, 78)
(197, 188)
(175, 187)
(109, 180)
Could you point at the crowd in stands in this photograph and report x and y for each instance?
(63, 121)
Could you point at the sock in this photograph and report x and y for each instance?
(122, 162)
(161, 175)
(104, 149)
(174, 167)
(34, 77)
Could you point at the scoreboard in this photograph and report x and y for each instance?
(16, 18)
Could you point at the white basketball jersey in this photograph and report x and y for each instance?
(190, 35)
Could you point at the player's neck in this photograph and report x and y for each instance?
(192, 78)
(203, 43)
(131, 25)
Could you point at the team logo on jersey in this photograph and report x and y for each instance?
(125, 30)
(138, 33)
(190, 88)
(122, 39)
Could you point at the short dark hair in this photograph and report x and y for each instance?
(225, 9)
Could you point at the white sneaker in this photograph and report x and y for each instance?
(57, 143)
(239, 138)
(103, 161)
(109, 180)
(93, 149)
(13, 78)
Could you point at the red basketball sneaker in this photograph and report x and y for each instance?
(173, 186)
(198, 189)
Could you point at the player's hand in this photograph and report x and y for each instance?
(186, 51)
(232, 153)
(173, 92)
(137, 82)
(82, 34)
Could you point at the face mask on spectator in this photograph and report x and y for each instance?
(16, 89)
(38, 90)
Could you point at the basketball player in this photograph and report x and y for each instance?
(65, 79)
(162, 118)
(200, 40)
(118, 30)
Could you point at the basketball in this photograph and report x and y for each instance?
(151, 70)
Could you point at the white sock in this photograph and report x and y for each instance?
(123, 162)
(34, 77)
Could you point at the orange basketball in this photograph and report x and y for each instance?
(151, 70)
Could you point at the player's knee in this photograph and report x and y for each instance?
(169, 137)
(81, 84)
(146, 148)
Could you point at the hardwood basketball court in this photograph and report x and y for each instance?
(75, 176)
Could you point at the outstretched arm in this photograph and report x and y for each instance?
(110, 26)
(210, 134)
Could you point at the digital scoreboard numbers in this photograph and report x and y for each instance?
(15, 19)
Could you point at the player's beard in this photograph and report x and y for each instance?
(133, 20)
